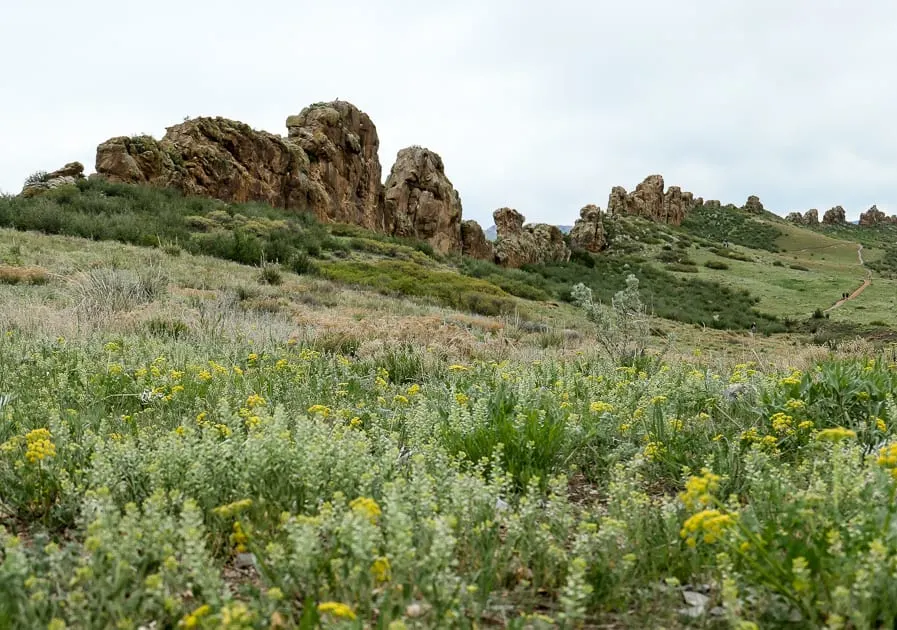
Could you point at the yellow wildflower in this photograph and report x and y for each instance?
(226, 511)
(204, 375)
(236, 615)
(600, 406)
(782, 423)
(192, 620)
(402, 400)
(413, 390)
(461, 399)
(321, 410)
(458, 368)
(710, 525)
(281, 364)
(337, 609)
(658, 400)
(200, 417)
(806, 424)
(381, 569)
(794, 404)
(255, 400)
(675, 424)
(653, 450)
(238, 370)
(881, 425)
(835, 434)
(367, 507)
(355, 422)
(699, 489)
(40, 445)
(239, 538)
(887, 458)
(115, 369)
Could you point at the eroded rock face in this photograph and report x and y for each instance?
(342, 146)
(811, 217)
(874, 216)
(219, 158)
(753, 205)
(519, 244)
(834, 216)
(474, 242)
(650, 201)
(421, 202)
(588, 231)
(713, 204)
(795, 217)
(68, 174)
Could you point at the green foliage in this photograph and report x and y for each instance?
(731, 224)
(690, 300)
(105, 290)
(514, 281)
(270, 274)
(393, 277)
(716, 264)
(797, 267)
(38, 177)
(623, 329)
(887, 264)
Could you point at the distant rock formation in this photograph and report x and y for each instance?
(327, 164)
(873, 216)
(474, 243)
(753, 205)
(421, 202)
(650, 201)
(811, 217)
(713, 204)
(68, 174)
(795, 217)
(588, 232)
(834, 216)
(518, 245)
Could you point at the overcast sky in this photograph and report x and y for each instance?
(540, 106)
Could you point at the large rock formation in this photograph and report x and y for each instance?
(341, 143)
(518, 245)
(216, 157)
(650, 201)
(588, 232)
(421, 202)
(68, 174)
(753, 205)
(834, 216)
(874, 216)
(474, 242)
(811, 217)
(795, 217)
(713, 204)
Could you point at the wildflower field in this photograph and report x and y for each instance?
(148, 482)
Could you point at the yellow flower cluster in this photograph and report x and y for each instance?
(887, 458)
(794, 404)
(226, 511)
(191, 620)
(40, 446)
(458, 368)
(699, 490)
(600, 406)
(835, 435)
(254, 400)
(793, 379)
(653, 450)
(239, 538)
(381, 569)
(319, 410)
(782, 423)
(336, 609)
(367, 507)
(709, 525)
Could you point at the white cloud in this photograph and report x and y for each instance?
(543, 107)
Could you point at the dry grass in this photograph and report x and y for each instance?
(23, 275)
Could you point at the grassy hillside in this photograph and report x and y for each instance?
(336, 435)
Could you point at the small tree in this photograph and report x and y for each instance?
(623, 329)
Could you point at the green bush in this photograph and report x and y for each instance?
(716, 264)
(730, 224)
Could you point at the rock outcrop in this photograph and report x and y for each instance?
(811, 217)
(753, 205)
(713, 204)
(474, 242)
(519, 244)
(873, 216)
(421, 202)
(795, 217)
(650, 201)
(219, 158)
(834, 216)
(342, 146)
(68, 174)
(588, 231)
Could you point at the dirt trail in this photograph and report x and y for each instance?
(866, 282)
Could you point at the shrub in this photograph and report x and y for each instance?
(23, 275)
(682, 268)
(167, 327)
(799, 267)
(270, 274)
(716, 264)
(104, 289)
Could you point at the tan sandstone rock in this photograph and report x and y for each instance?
(588, 231)
(834, 216)
(474, 242)
(753, 205)
(68, 174)
(650, 201)
(519, 244)
(342, 146)
(421, 202)
(795, 217)
(874, 216)
(811, 217)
